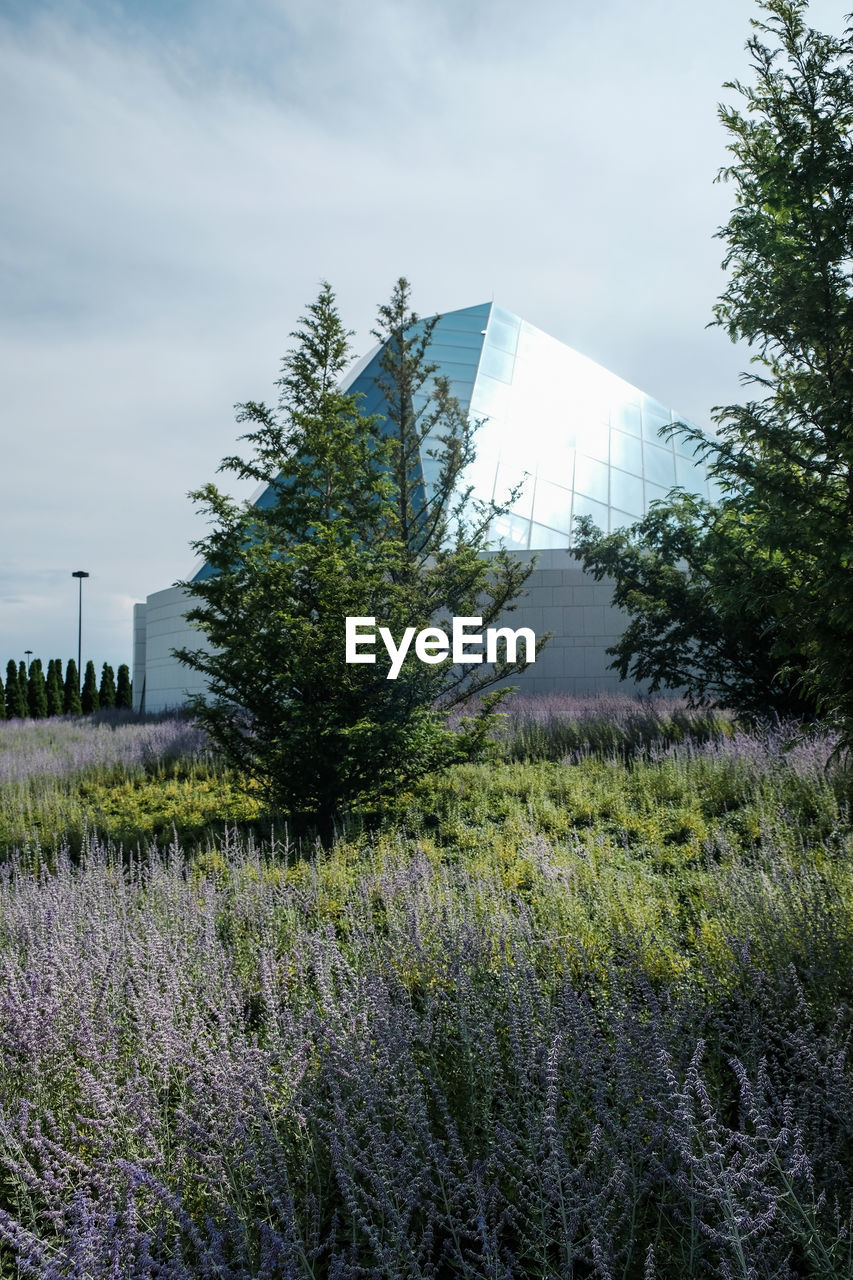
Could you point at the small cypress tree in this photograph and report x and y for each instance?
(71, 704)
(124, 689)
(89, 696)
(2, 702)
(16, 707)
(22, 681)
(36, 691)
(54, 687)
(107, 691)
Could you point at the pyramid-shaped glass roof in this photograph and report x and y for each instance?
(584, 441)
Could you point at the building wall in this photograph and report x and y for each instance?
(167, 684)
(560, 598)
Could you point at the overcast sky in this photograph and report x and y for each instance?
(178, 177)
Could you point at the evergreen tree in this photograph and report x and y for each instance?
(2, 701)
(783, 460)
(89, 695)
(107, 691)
(350, 533)
(23, 678)
(16, 704)
(124, 692)
(54, 687)
(36, 691)
(71, 704)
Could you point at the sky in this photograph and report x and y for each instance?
(178, 178)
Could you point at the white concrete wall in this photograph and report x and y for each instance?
(168, 684)
(577, 610)
(560, 598)
(138, 672)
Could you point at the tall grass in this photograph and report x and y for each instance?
(546, 1019)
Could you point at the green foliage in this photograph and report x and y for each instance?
(107, 691)
(36, 691)
(89, 695)
(700, 606)
(54, 687)
(350, 531)
(71, 703)
(16, 705)
(2, 702)
(766, 581)
(124, 692)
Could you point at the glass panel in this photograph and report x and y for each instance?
(715, 489)
(469, 320)
(552, 504)
(544, 539)
(626, 492)
(660, 465)
(587, 507)
(626, 417)
(503, 333)
(481, 474)
(691, 475)
(511, 530)
(684, 445)
(454, 354)
(591, 478)
(655, 493)
(490, 396)
(497, 364)
(592, 437)
(510, 474)
(655, 416)
(621, 520)
(626, 452)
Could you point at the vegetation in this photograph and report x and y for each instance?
(32, 694)
(542, 1018)
(766, 578)
(347, 528)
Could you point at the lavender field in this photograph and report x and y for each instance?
(579, 1015)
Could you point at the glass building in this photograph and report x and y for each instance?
(583, 442)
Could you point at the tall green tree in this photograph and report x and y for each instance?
(89, 692)
(16, 701)
(784, 460)
(107, 690)
(124, 692)
(698, 610)
(54, 687)
(36, 691)
(71, 703)
(2, 702)
(345, 531)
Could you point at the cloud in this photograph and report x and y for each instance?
(179, 179)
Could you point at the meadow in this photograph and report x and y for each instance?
(582, 1010)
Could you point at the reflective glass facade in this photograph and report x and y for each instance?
(583, 441)
(580, 440)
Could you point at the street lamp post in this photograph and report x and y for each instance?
(79, 574)
(28, 653)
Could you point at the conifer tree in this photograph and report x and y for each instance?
(124, 692)
(23, 677)
(89, 695)
(16, 706)
(36, 691)
(107, 691)
(2, 702)
(54, 687)
(71, 704)
(350, 532)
